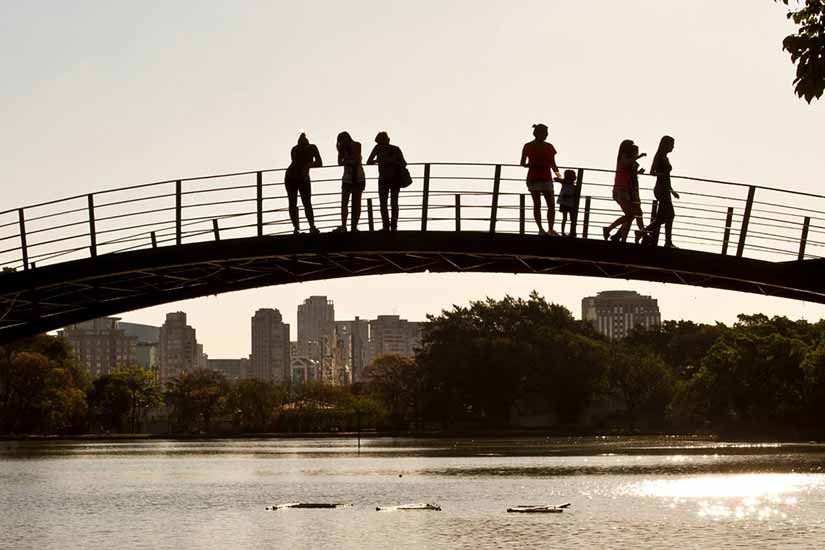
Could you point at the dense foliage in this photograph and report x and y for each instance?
(493, 364)
(807, 46)
(41, 389)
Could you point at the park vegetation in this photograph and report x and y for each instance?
(492, 365)
(807, 46)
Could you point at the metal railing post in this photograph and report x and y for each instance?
(369, 215)
(23, 247)
(586, 220)
(215, 229)
(426, 197)
(745, 220)
(494, 205)
(458, 212)
(178, 214)
(521, 214)
(575, 214)
(154, 239)
(728, 225)
(92, 233)
(260, 185)
(804, 240)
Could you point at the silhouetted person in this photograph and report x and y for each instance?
(391, 163)
(567, 199)
(626, 171)
(304, 156)
(353, 180)
(635, 197)
(539, 157)
(661, 168)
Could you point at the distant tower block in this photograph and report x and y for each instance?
(615, 313)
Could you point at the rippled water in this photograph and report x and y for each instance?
(625, 493)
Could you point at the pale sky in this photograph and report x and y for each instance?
(103, 94)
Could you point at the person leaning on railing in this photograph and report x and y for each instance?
(353, 181)
(539, 157)
(304, 156)
(391, 166)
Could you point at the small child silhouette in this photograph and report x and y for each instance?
(567, 199)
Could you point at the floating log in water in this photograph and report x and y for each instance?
(419, 506)
(539, 508)
(309, 505)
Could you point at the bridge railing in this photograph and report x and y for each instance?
(713, 216)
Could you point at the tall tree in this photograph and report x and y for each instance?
(254, 403)
(196, 397)
(396, 381)
(42, 389)
(807, 46)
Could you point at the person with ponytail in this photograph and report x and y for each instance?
(539, 157)
(661, 168)
(626, 178)
(304, 156)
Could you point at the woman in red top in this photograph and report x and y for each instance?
(540, 159)
(626, 170)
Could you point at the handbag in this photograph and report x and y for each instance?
(404, 177)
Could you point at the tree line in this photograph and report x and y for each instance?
(492, 364)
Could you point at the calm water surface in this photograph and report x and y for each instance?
(625, 493)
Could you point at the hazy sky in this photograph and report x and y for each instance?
(97, 95)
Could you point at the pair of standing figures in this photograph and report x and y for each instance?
(391, 170)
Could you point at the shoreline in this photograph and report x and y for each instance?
(498, 434)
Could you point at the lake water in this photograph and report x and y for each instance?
(624, 493)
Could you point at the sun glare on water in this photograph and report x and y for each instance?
(733, 497)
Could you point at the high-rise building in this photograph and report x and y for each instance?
(316, 328)
(144, 333)
(270, 347)
(147, 347)
(615, 313)
(303, 370)
(101, 345)
(391, 334)
(352, 346)
(233, 369)
(146, 355)
(178, 352)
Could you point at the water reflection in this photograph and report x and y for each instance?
(745, 485)
(759, 497)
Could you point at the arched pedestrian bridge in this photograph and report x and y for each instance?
(74, 259)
